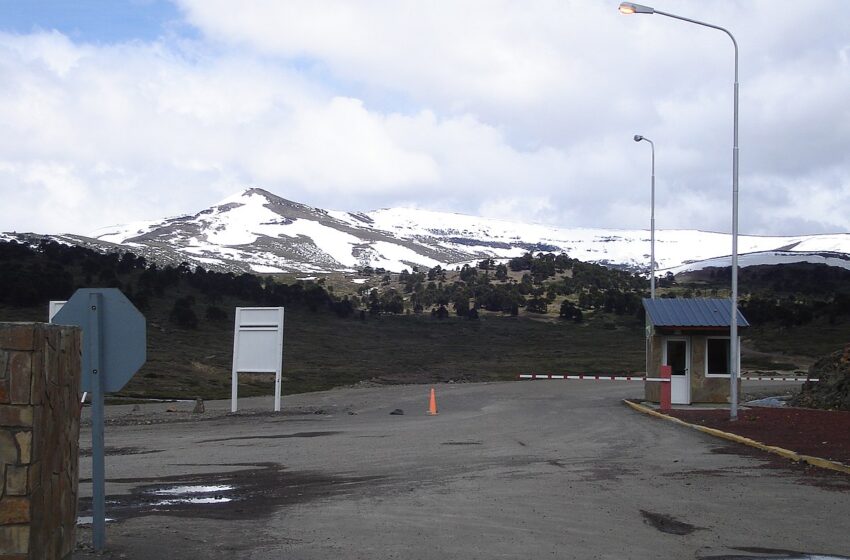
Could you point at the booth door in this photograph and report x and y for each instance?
(676, 356)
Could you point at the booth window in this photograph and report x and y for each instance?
(717, 357)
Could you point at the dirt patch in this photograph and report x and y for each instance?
(273, 436)
(595, 471)
(667, 523)
(819, 433)
(806, 473)
(143, 418)
(718, 473)
(120, 451)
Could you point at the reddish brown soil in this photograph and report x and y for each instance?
(820, 433)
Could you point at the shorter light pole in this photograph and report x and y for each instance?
(638, 138)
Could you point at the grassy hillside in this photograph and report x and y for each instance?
(322, 350)
(338, 333)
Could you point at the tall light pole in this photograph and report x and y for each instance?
(638, 138)
(631, 8)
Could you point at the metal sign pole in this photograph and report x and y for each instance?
(93, 333)
(279, 372)
(234, 374)
(114, 348)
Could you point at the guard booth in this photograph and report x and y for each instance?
(692, 337)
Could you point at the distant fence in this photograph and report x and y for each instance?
(795, 378)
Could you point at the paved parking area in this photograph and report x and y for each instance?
(505, 470)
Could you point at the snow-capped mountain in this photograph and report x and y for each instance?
(257, 231)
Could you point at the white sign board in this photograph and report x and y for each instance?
(53, 308)
(257, 347)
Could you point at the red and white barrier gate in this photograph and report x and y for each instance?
(666, 401)
(642, 378)
(666, 372)
(780, 378)
(587, 377)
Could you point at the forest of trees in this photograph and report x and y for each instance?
(51, 271)
(538, 284)
(489, 286)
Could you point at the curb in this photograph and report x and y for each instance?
(782, 452)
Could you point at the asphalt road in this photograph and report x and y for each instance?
(536, 469)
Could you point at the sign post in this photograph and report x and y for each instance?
(114, 348)
(92, 339)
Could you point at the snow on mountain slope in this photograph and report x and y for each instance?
(257, 231)
(841, 260)
(117, 233)
(629, 248)
(261, 232)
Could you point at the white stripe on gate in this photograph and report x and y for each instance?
(784, 378)
(640, 378)
(582, 377)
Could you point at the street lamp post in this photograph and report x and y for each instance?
(631, 8)
(638, 138)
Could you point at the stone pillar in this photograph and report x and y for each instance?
(39, 440)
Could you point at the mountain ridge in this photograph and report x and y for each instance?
(260, 232)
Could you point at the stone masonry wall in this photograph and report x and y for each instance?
(39, 440)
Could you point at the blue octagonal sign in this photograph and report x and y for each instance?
(112, 327)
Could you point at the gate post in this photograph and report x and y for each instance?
(666, 374)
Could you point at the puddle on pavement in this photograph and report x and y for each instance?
(193, 500)
(194, 489)
(193, 494)
(273, 436)
(780, 401)
(667, 523)
(775, 553)
(249, 493)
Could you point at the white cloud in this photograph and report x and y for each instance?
(535, 209)
(512, 110)
(338, 146)
(165, 132)
(488, 49)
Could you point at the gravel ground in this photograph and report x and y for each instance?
(505, 470)
(820, 433)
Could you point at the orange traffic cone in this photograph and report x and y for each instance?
(432, 408)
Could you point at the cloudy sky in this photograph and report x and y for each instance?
(117, 111)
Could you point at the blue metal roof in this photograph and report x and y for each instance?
(690, 313)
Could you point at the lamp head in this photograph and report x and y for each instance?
(638, 137)
(632, 8)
